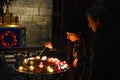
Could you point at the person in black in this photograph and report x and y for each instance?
(101, 62)
(75, 52)
(4, 74)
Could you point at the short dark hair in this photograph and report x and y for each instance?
(99, 12)
(73, 28)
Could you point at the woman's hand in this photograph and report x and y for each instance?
(75, 62)
(48, 45)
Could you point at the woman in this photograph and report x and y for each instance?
(101, 48)
(75, 52)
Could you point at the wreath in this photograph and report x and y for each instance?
(8, 39)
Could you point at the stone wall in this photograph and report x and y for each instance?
(36, 16)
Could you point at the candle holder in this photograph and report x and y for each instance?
(43, 65)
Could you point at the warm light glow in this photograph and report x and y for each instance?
(49, 59)
(57, 62)
(41, 65)
(37, 57)
(50, 69)
(31, 58)
(46, 65)
(31, 62)
(20, 68)
(25, 61)
(44, 58)
(12, 25)
(64, 62)
(31, 68)
(65, 65)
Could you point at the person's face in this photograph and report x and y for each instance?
(93, 24)
(72, 36)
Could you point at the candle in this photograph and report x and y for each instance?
(31, 68)
(20, 68)
(49, 60)
(31, 58)
(25, 61)
(41, 65)
(31, 62)
(37, 57)
(44, 58)
(66, 65)
(49, 69)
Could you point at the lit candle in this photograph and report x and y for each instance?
(49, 59)
(66, 65)
(25, 61)
(64, 62)
(20, 68)
(31, 68)
(32, 58)
(44, 58)
(41, 65)
(50, 69)
(31, 62)
(57, 62)
(38, 57)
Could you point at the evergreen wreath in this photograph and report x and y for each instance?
(11, 41)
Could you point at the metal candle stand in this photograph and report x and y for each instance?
(42, 68)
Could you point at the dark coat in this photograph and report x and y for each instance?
(76, 72)
(102, 63)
